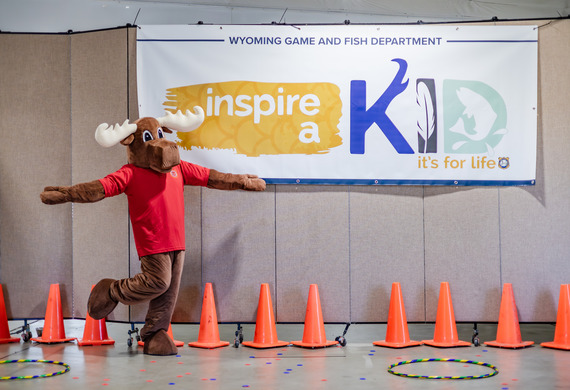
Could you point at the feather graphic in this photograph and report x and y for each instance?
(426, 123)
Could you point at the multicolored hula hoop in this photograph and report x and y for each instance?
(65, 365)
(495, 370)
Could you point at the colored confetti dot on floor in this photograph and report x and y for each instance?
(188, 373)
(323, 380)
(212, 379)
(362, 379)
(153, 361)
(171, 384)
(180, 363)
(279, 354)
(245, 386)
(515, 380)
(75, 377)
(149, 380)
(143, 370)
(268, 363)
(299, 365)
(248, 364)
(252, 357)
(178, 355)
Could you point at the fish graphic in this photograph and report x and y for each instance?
(484, 116)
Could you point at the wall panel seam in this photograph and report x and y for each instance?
(69, 50)
(424, 244)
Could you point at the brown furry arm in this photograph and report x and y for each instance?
(230, 181)
(79, 193)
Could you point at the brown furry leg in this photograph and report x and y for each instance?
(100, 303)
(161, 344)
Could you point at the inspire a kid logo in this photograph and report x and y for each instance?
(261, 118)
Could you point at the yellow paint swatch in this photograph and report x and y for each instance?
(254, 118)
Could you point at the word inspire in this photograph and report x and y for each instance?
(267, 105)
(248, 105)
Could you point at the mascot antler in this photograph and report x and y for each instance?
(183, 122)
(108, 136)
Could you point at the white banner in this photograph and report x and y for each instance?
(354, 104)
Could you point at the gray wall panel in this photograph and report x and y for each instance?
(462, 248)
(535, 221)
(238, 249)
(100, 231)
(35, 239)
(386, 246)
(312, 242)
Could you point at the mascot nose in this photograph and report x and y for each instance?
(163, 155)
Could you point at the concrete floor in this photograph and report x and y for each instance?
(358, 365)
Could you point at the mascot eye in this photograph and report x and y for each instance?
(159, 131)
(147, 136)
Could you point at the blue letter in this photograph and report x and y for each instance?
(361, 119)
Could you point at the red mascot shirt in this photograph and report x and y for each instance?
(156, 203)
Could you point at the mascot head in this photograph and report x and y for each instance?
(144, 139)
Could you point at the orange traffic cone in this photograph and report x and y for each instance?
(397, 331)
(95, 332)
(4, 329)
(562, 330)
(445, 334)
(314, 332)
(54, 330)
(168, 332)
(508, 330)
(208, 335)
(265, 329)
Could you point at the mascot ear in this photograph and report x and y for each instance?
(166, 129)
(129, 140)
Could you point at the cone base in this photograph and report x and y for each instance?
(52, 341)
(443, 344)
(10, 340)
(176, 342)
(327, 343)
(212, 345)
(253, 344)
(391, 344)
(555, 345)
(95, 342)
(497, 344)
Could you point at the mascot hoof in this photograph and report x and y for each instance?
(160, 344)
(100, 303)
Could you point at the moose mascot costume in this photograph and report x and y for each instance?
(153, 181)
